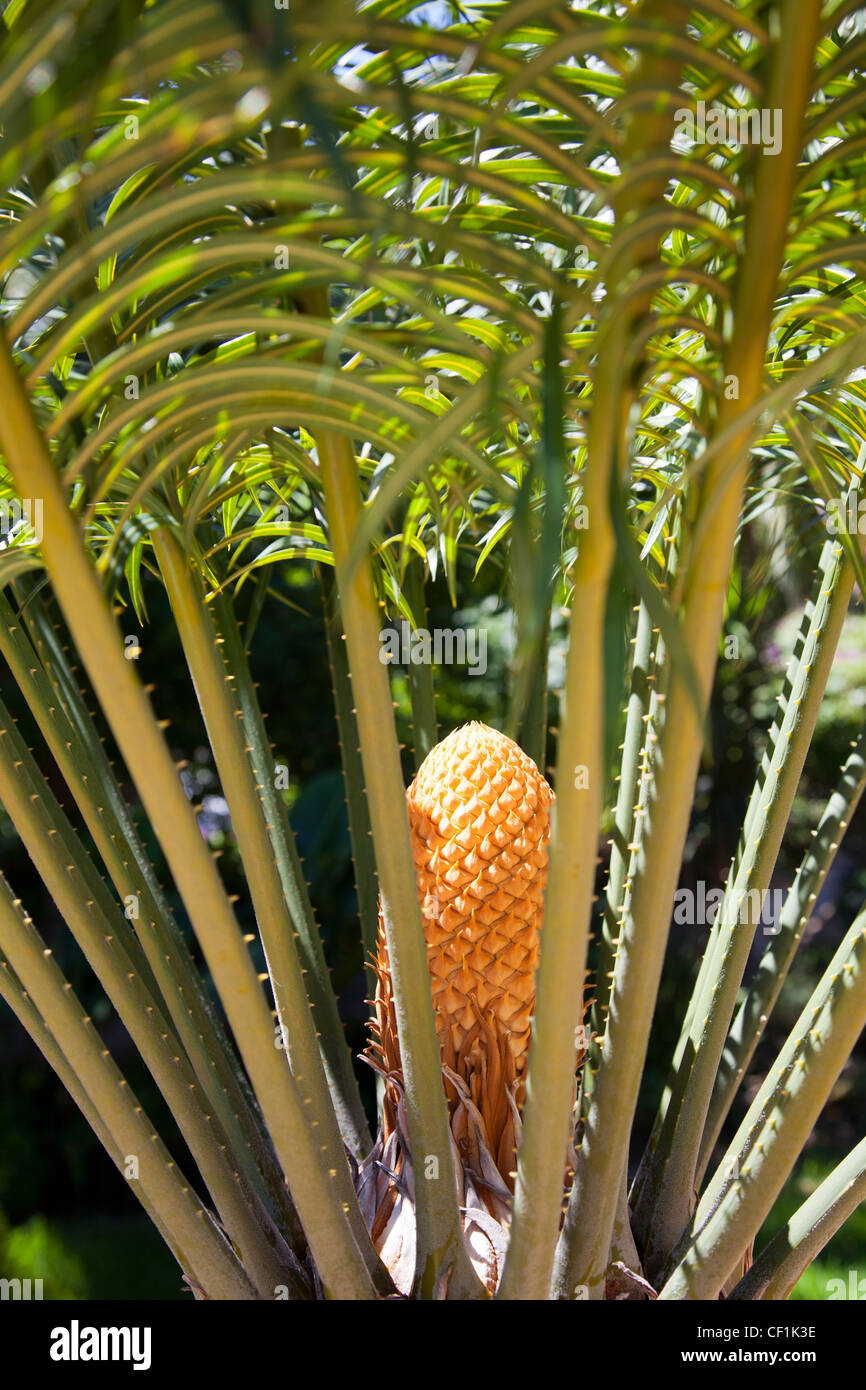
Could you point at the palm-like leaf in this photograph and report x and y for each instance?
(410, 292)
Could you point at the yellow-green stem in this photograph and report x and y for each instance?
(439, 1231)
(583, 1253)
(202, 648)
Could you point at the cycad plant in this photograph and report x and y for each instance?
(570, 290)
